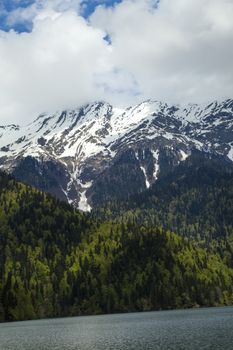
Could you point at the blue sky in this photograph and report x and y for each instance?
(8, 6)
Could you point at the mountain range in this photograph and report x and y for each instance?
(158, 182)
(96, 153)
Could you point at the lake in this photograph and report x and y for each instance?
(210, 328)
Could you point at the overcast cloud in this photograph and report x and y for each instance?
(178, 51)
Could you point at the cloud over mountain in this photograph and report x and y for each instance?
(174, 50)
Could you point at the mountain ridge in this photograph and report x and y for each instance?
(74, 148)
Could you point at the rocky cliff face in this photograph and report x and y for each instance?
(98, 152)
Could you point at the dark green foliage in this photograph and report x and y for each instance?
(196, 199)
(36, 233)
(55, 261)
(119, 181)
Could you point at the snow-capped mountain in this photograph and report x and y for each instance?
(98, 152)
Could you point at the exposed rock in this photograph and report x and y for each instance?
(99, 152)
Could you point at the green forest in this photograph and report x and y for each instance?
(56, 261)
(194, 200)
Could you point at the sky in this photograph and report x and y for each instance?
(57, 54)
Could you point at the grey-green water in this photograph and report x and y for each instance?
(165, 330)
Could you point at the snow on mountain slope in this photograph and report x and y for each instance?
(83, 144)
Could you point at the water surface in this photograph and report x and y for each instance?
(166, 330)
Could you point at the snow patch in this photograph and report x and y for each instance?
(83, 203)
(230, 153)
(156, 163)
(183, 155)
(137, 155)
(146, 178)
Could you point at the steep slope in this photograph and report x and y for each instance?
(69, 153)
(194, 199)
(55, 261)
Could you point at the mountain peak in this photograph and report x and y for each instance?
(77, 146)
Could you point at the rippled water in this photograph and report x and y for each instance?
(165, 330)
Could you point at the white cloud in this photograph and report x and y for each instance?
(180, 52)
(53, 67)
(28, 13)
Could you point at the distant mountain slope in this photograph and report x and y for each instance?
(194, 199)
(69, 153)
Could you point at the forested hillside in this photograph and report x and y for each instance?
(56, 261)
(195, 200)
